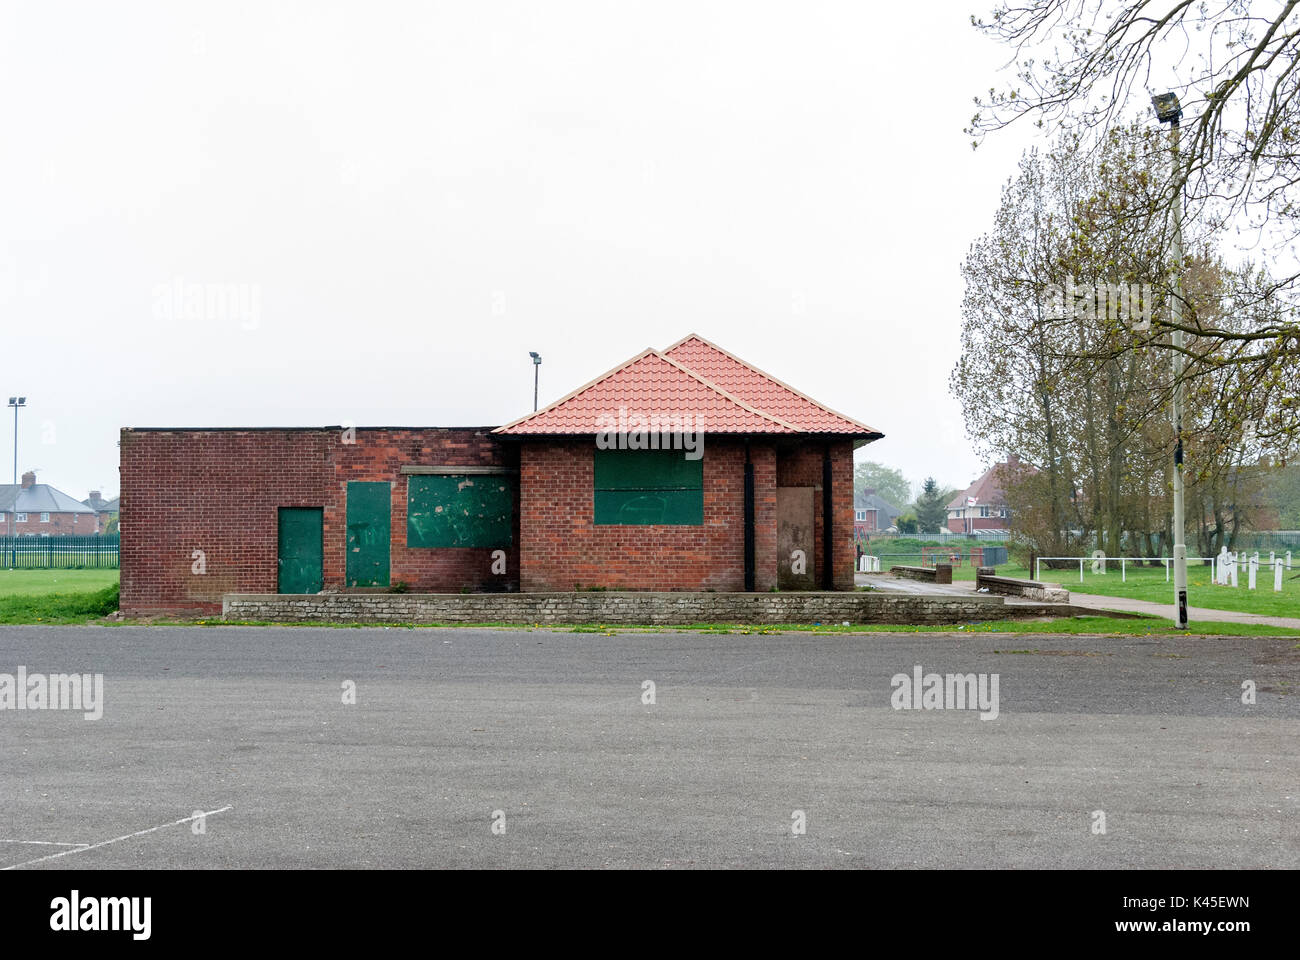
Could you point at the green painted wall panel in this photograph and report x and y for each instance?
(460, 511)
(369, 533)
(640, 487)
(300, 550)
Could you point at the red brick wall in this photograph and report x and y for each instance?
(958, 525)
(379, 455)
(219, 491)
(802, 467)
(563, 547)
(764, 460)
(61, 524)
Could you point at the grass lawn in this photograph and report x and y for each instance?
(56, 596)
(13, 582)
(1148, 583)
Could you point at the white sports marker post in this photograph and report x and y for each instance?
(1277, 577)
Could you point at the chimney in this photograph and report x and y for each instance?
(29, 478)
(1013, 460)
(94, 495)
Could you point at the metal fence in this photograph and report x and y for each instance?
(1102, 564)
(944, 538)
(880, 562)
(1266, 540)
(61, 553)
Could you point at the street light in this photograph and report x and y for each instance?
(14, 402)
(1169, 111)
(537, 364)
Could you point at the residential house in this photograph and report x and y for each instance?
(32, 509)
(105, 510)
(983, 505)
(872, 513)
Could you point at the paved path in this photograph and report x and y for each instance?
(1092, 601)
(1129, 605)
(546, 733)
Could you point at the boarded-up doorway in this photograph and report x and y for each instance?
(795, 566)
(369, 533)
(300, 550)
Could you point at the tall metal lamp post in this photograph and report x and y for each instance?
(1169, 111)
(16, 403)
(537, 366)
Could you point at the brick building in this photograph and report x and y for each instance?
(983, 505)
(33, 509)
(872, 513)
(752, 488)
(105, 510)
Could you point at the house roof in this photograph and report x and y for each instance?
(100, 505)
(38, 498)
(987, 490)
(761, 389)
(696, 379)
(874, 501)
(649, 385)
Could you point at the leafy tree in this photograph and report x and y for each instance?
(932, 507)
(1084, 67)
(1282, 492)
(1054, 376)
(886, 481)
(907, 523)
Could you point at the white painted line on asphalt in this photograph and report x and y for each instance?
(48, 843)
(127, 836)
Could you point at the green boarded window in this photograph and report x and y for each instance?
(648, 486)
(459, 511)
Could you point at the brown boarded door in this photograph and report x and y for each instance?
(795, 562)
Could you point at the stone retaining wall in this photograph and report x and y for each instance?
(939, 573)
(612, 607)
(1014, 587)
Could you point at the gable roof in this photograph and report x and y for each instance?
(762, 389)
(100, 505)
(874, 501)
(38, 498)
(649, 384)
(987, 490)
(723, 393)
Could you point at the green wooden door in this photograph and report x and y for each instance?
(369, 533)
(300, 551)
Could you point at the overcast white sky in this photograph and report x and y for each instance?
(413, 196)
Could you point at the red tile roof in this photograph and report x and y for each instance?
(692, 378)
(760, 389)
(648, 385)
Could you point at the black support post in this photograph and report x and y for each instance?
(749, 522)
(828, 526)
